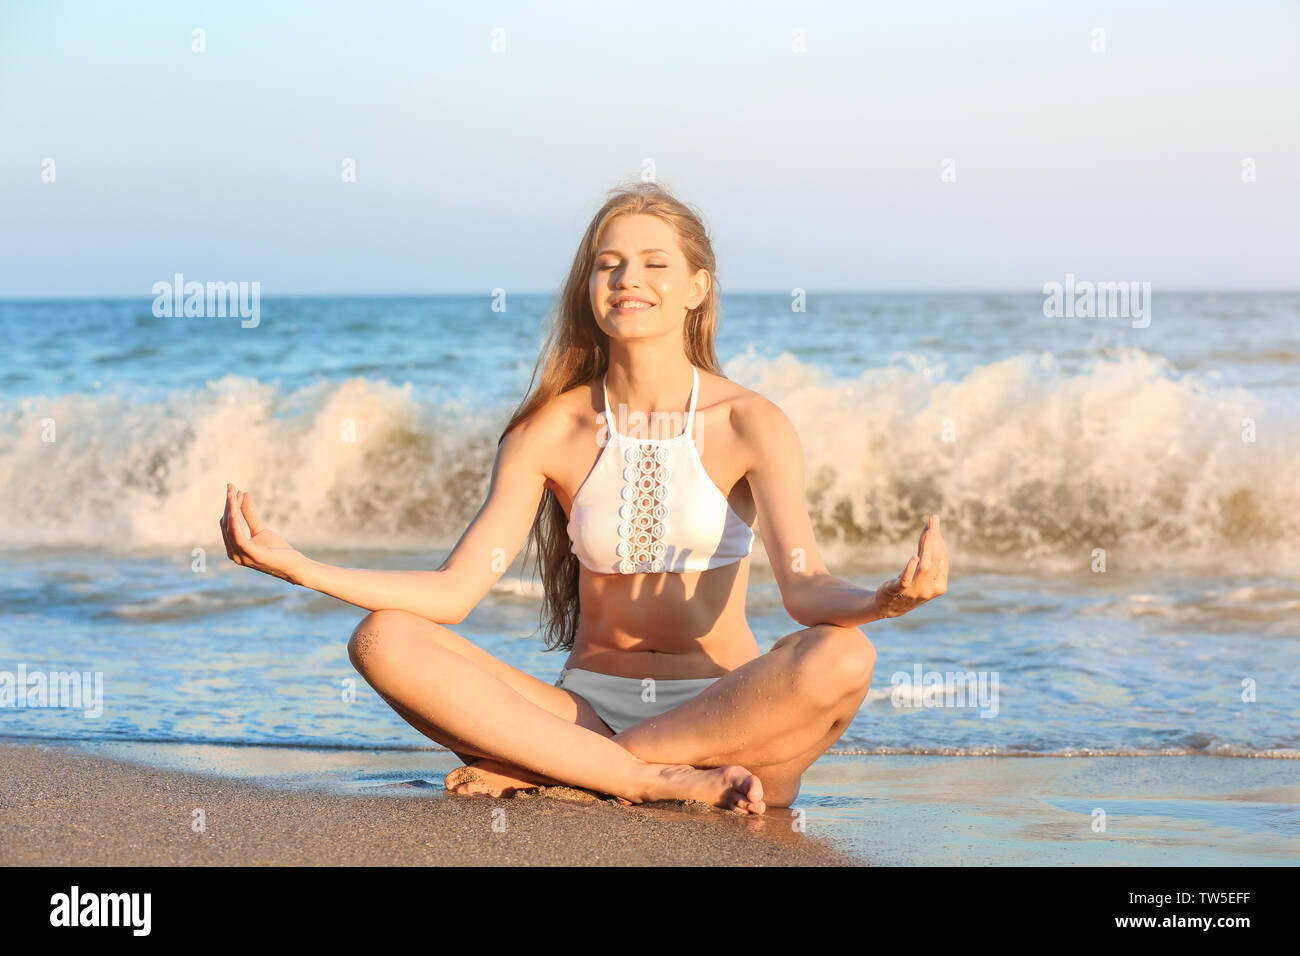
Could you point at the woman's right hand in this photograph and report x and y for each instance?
(250, 543)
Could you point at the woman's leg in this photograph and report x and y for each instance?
(460, 696)
(775, 714)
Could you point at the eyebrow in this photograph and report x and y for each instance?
(612, 252)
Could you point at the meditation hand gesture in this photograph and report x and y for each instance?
(250, 543)
(925, 577)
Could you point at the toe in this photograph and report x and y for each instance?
(458, 780)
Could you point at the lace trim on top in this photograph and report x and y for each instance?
(647, 472)
(644, 511)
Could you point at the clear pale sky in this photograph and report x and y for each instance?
(477, 170)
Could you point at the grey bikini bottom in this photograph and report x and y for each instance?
(624, 701)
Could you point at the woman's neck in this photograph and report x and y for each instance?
(649, 380)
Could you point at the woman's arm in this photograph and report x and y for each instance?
(811, 594)
(445, 596)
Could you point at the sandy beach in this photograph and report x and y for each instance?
(133, 804)
(61, 807)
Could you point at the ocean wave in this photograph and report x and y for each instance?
(356, 464)
(1027, 463)
(1039, 467)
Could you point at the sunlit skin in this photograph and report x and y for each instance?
(745, 742)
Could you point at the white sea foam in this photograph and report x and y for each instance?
(1042, 467)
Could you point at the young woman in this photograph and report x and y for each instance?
(640, 471)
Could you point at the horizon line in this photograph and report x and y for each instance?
(146, 297)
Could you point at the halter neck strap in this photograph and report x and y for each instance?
(610, 417)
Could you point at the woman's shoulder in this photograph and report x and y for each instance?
(747, 410)
(563, 414)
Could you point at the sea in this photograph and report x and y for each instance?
(1121, 502)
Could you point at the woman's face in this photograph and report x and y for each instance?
(641, 285)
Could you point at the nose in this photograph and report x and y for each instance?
(627, 276)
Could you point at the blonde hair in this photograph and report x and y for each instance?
(577, 351)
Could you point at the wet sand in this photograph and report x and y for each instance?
(64, 807)
(132, 803)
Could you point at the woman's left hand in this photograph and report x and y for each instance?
(925, 577)
(251, 544)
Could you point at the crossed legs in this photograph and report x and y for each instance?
(741, 744)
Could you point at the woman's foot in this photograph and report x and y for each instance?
(489, 777)
(729, 788)
(497, 779)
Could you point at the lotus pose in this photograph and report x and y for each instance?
(640, 471)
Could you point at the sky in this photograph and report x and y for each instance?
(477, 169)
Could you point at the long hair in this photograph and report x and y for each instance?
(576, 351)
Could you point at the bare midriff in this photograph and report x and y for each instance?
(667, 626)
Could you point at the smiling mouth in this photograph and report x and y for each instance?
(630, 305)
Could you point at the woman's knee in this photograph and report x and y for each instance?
(378, 637)
(835, 661)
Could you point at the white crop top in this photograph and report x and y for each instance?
(649, 506)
